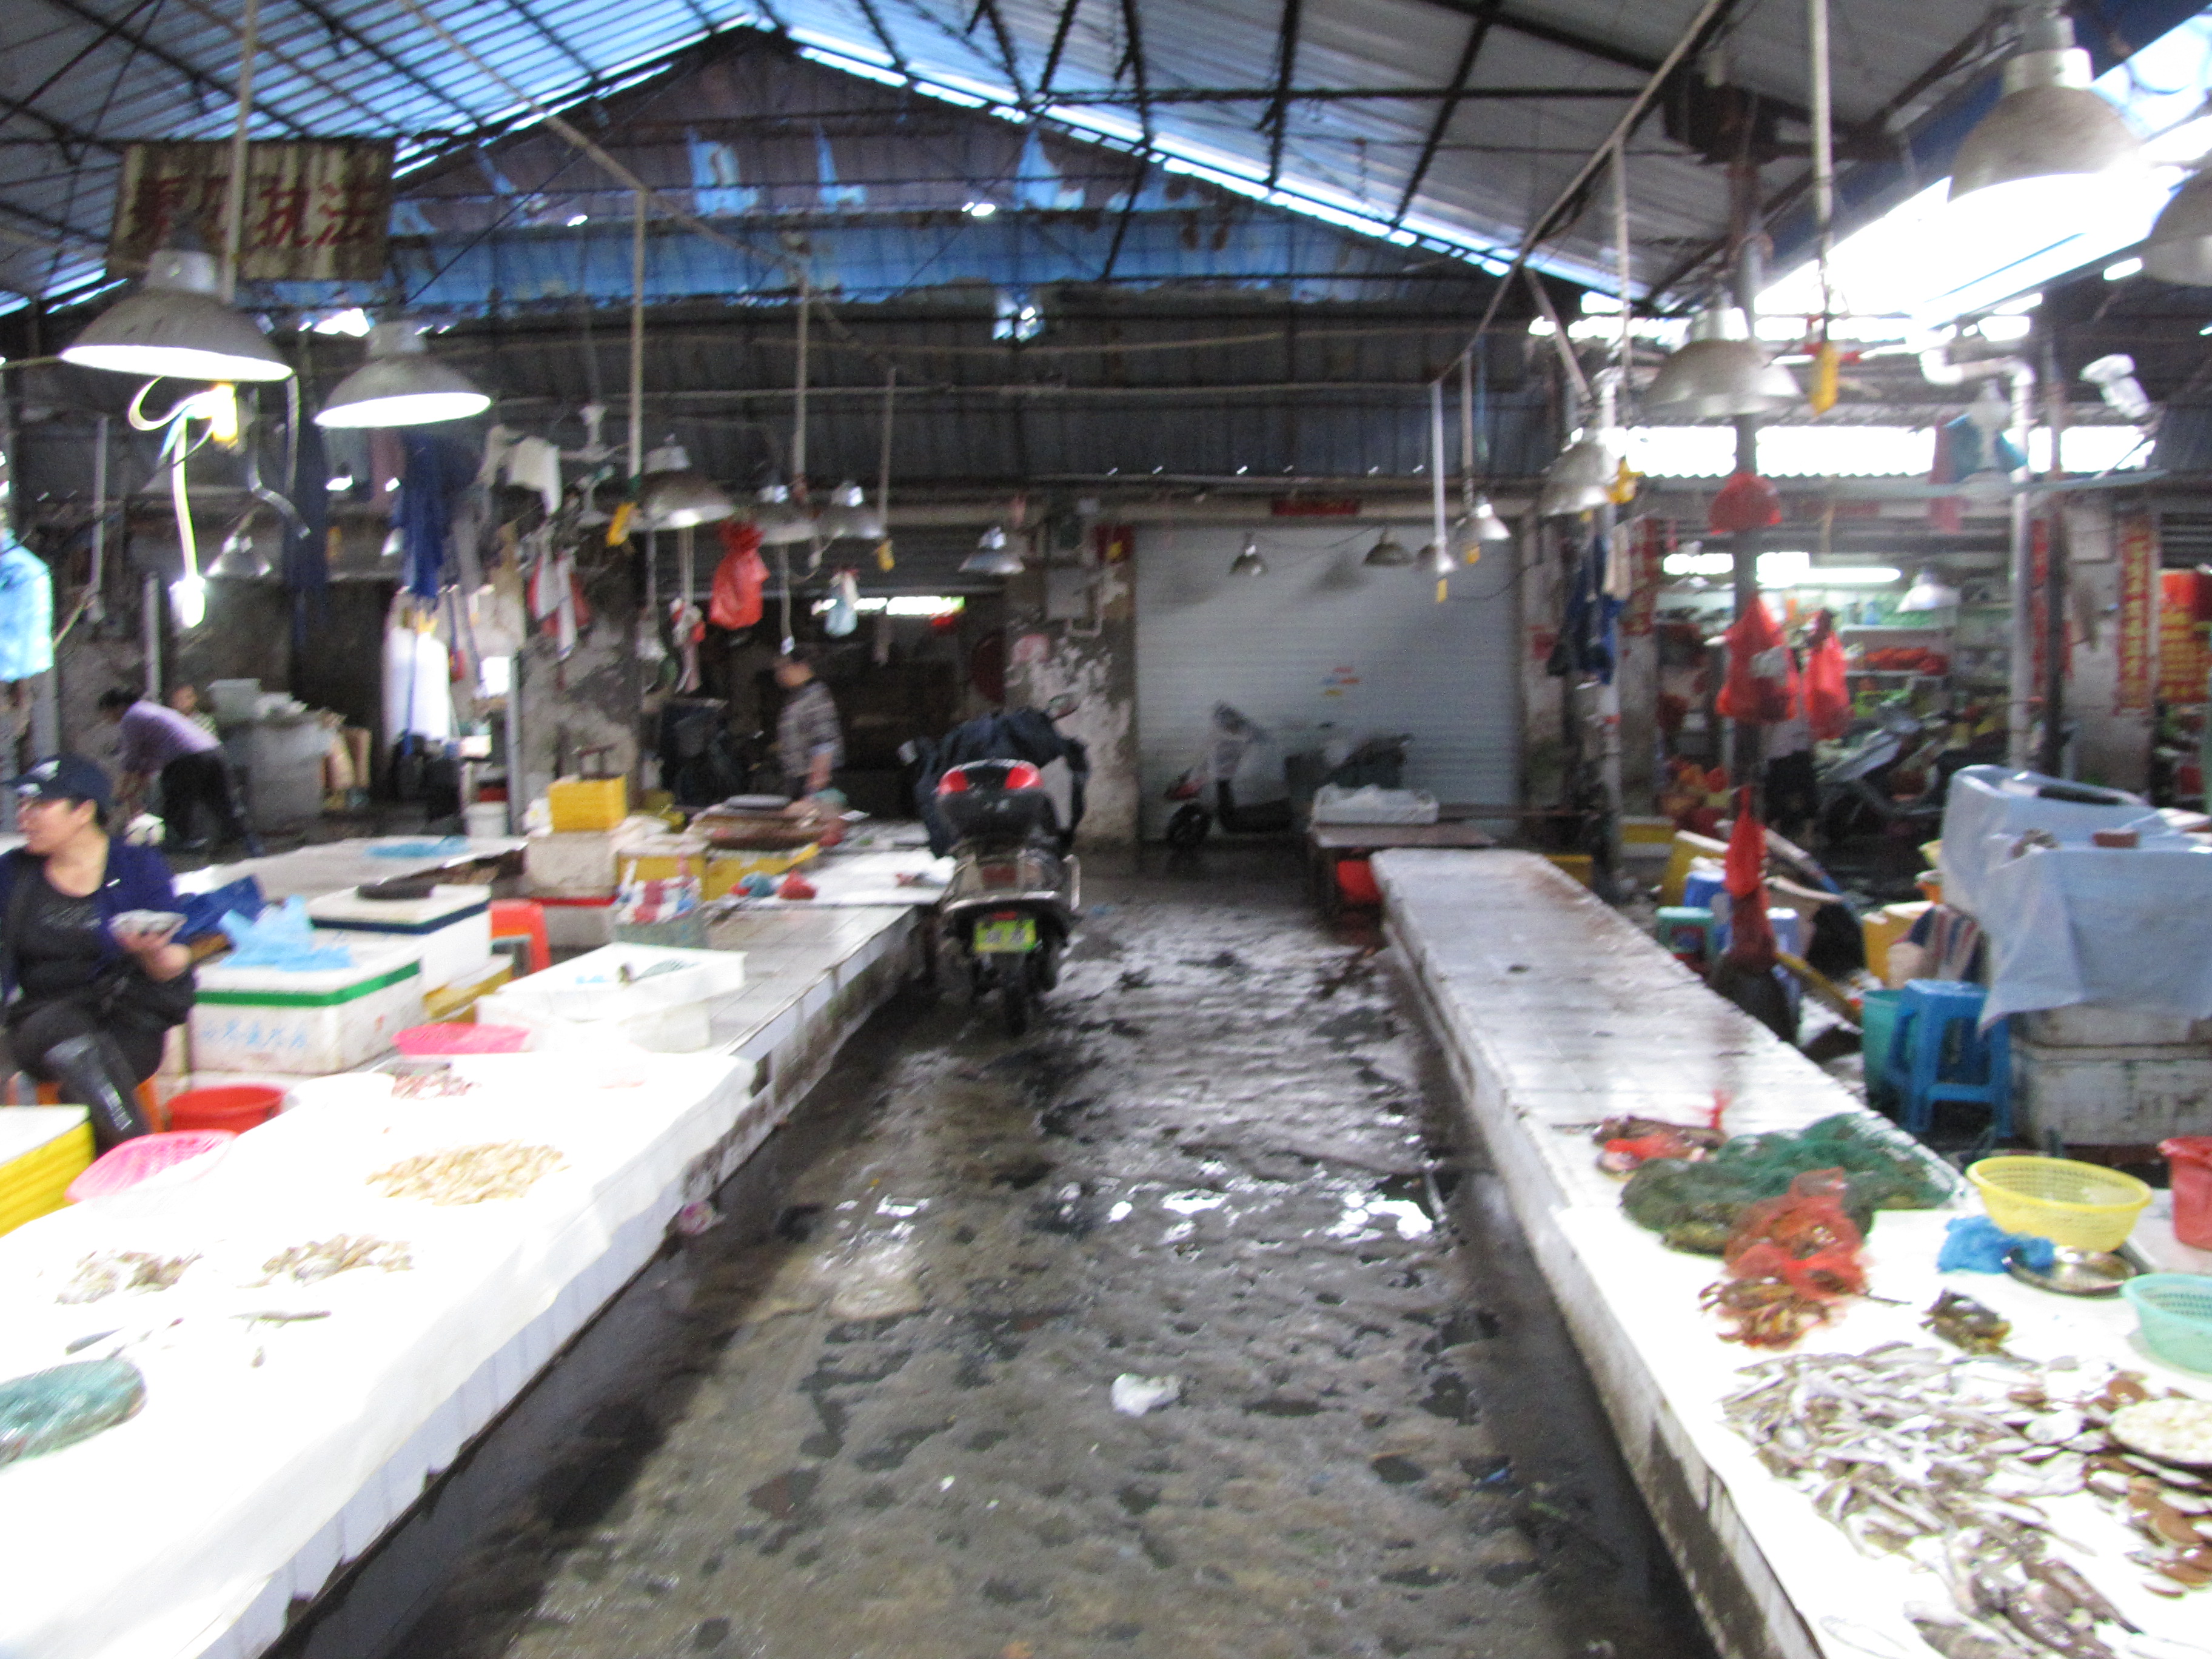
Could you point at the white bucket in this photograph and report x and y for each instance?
(486, 819)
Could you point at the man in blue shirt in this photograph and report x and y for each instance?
(190, 762)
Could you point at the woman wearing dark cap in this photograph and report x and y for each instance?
(89, 1007)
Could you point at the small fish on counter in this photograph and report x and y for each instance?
(305, 1264)
(104, 1273)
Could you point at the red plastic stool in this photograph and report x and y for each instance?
(523, 919)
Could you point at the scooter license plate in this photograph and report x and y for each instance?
(1005, 936)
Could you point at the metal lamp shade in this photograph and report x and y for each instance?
(994, 556)
(1580, 481)
(400, 384)
(2052, 147)
(175, 326)
(1388, 553)
(676, 496)
(1719, 372)
(2179, 248)
(1247, 561)
(1438, 559)
(1485, 528)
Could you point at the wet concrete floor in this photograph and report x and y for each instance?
(876, 1418)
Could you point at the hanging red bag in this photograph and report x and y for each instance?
(1761, 687)
(1746, 502)
(740, 578)
(1751, 935)
(1827, 689)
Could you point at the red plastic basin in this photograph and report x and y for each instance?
(237, 1107)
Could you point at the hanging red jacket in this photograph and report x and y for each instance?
(740, 578)
(1762, 687)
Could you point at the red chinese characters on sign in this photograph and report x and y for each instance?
(312, 211)
(2183, 659)
(1647, 541)
(2134, 539)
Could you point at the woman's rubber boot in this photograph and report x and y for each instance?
(94, 1072)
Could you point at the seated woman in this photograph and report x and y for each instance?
(89, 1007)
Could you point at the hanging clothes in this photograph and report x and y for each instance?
(552, 590)
(418, 688)
(27, 612)
(844, 605)
(534, 464)
(437, 470)
(1588, 642)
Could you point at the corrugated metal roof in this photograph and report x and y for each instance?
(80, 77)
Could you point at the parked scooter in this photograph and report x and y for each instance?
(1245, 781)
(1009, 910)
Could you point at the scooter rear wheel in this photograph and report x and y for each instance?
(1188, 827)
(1018, 993)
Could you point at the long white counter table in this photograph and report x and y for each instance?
(1555, 1013)
(268, 1455)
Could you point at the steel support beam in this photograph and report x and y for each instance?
(1478, 32)
(1132, 35)
(1006, 58)
(882, 35)
(202, 81)
(339, 29)
(1279, 108)
(1340, 95)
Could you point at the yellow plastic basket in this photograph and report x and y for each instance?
(2081, 1206)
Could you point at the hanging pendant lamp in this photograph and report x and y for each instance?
(239, 558)
(1720, 372)
(677, 496)
(1580, 480)
(1247, 561)
(2051, 150)
(1437, 559)
(400, 384)
(849, 514)
(2179, 246)
(780, 522)
(1388, 553)
(994, 556)
(1485, 528)
(175, 325)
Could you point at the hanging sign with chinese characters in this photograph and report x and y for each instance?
(315, 211)
(2135, 538)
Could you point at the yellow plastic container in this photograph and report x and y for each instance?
(2080, 1206)
(1888, 926)
(725, 869)
(50, 1151)
(587, 803)
(460, 999)
(668, 859)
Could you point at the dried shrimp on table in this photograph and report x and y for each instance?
(468, 1174)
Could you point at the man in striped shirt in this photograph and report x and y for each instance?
(810, 742)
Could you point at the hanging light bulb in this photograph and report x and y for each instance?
(2179, 246)
(1580, 480)
(1388, 553)
(189, 595)
(1247, 561)
(2051, 151)
(1720, 372)
(1437, 560)
(1485, 528)
(174, 325)
(400, 384)
(994, 556)
(677, 496)
(239, 559)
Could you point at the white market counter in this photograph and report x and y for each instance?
(191, 1531)
(1555, 1013)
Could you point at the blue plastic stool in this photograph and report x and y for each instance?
(1977, 1068)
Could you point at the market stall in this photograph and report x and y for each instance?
(1556, 1016)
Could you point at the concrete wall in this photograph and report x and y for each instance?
(2111, 745)
(588, 701)
(1093, 658)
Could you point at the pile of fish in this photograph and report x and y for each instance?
(104, 1273)
(1950, 1461)
(2168, 1501)
(468, 1174)
(304, 1264)
(431, 1086)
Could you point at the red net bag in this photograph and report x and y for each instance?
(1827, 689)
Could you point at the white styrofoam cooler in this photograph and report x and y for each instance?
(2112, 1097)
(307, 1024)
(451, 928)
(666, 1006)
(570, 864)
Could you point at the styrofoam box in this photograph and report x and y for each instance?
(571, 863)
(272, 1019)
(667, 1007)
(2112, 1097)
(2092, 1025)
(452, 928)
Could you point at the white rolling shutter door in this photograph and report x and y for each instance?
(1321, 639)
